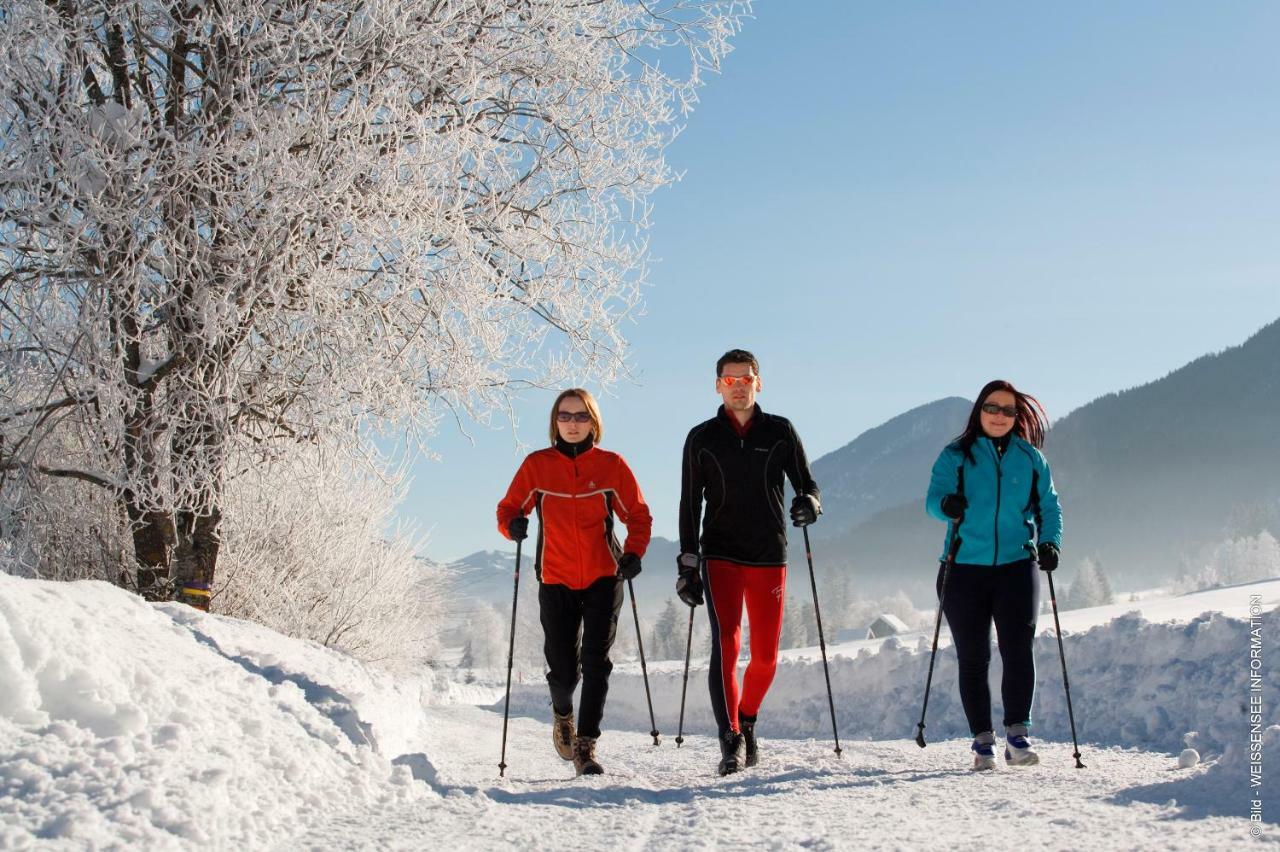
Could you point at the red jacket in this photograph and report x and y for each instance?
(571, 496)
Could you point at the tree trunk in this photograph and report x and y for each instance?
(152, 528)
(201, 444)
(196, 557)
(152, 548)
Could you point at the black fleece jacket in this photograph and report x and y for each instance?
(740, 481)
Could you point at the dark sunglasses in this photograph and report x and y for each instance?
(573, 416)
(1006, 410)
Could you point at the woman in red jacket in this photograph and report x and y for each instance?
(576, 488)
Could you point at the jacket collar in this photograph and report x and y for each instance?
(1000, 446)
(731, 423)
(574, 450)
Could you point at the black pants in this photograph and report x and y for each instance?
(1009, 596)
(578, 627)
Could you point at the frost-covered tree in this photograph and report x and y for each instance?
(311, 548)
(230, 227)
(667, 640)
(839, 598)
(793, 631)
(1090, 587)
(625, 647)
(1234, 561)
(486, 639)
(1247, 559)
(809, 621)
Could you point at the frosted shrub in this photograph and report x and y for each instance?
(309, 550)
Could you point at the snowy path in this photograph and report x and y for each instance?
(880, 795)
(126, 725)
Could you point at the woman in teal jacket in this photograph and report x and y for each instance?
(993, 486)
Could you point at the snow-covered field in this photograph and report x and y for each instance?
(129, 725)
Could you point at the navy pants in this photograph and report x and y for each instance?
(578, 628)
(1008, 596)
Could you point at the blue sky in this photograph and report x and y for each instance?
(891, 203)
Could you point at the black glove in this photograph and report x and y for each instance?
(518, 529)
(689, 586)
(1048, 555)
(628, 566)
(953, 506)
(805, 510)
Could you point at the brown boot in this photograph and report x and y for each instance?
(562, 734)
(584, 756)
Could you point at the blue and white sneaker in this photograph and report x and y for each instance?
(1017, 751)
(984, 751)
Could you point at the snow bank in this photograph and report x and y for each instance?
(124, 723)
(1133, 683)
(130, 725)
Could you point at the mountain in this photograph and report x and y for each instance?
(883, 467)
(1151, 475)
(1149, 478)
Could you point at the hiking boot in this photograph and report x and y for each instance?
(584, 756)
(1017, 751)
(748, 724)
(734, 752)
(562, 734)
(984, 751)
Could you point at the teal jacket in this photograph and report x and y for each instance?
(1000, 525)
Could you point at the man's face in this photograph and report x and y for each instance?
(737, 394)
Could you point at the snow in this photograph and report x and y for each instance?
(1133, 682)
(132, 725)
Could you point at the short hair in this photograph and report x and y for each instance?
(737, 356)
(597, 424)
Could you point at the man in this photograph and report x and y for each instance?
(734, 464)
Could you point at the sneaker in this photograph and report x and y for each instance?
(734, 752)
(584, 756)
(562, 734)
(984, 751)
(1017, 751)
(748, 724)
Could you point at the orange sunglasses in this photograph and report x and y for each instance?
(730, 381)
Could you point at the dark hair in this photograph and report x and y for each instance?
(1030, 425)
(737, 356)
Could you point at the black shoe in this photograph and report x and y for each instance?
(734, 751)
(748, 724)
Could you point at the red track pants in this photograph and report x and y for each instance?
(763, 590)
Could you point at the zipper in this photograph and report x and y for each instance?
(995, 556)
(574, 502)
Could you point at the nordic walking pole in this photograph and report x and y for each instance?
(653, 732)
(942, 596)
(511, 651)
(822, 641)
(1071, 716)
(688, 646)
(937, 625)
